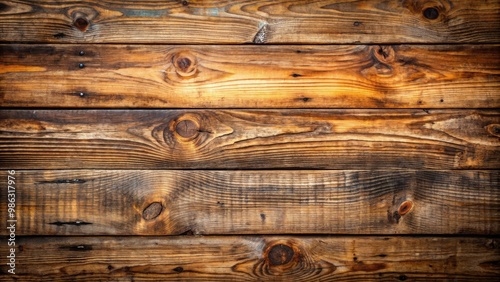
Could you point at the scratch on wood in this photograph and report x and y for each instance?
(261, 36)
(76, 222)
(58, 181)
(78, 248)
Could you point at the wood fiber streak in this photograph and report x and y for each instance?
(357, 76)
(145, 202)
(250, 139)
(242, 21)
(245, 258)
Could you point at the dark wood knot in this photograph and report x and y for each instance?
(431, 13)
(280, 255)
(185, 64)
(81, 23)
(384, 53)
(430, 10)
(187, 128)
(81, 20)
(152, 211)
(405, 207)
(493, 129)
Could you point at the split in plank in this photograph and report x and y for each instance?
(250, 139)
(252, 258)
(142, 202)
(356, 76)
(257, 21)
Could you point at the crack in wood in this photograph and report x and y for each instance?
(76, 222)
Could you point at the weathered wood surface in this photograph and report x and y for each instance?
(145, 202)
(232, 258)
(214, 21)
(250, 139)
(356, 76)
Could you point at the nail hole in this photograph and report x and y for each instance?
(431, 13)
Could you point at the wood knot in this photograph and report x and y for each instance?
(187, 128)
(431, 13)
(81, 23)
(430, 10)
(185, 64)
(280, 255)
(152, 211)
(82, 18)
(384, 53)
(405, 207)
(493, 129)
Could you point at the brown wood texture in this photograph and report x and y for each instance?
(242, 21)
(342, 76)
(145, 202)
(251, 139)
(248, 258)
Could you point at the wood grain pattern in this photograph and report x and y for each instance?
(253, 139)
(229, 258)
(243, 21)
(357, 76)
(145, 202)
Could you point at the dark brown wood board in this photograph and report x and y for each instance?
(145, 202)
(250, 139)
(218, 76)
(252, 258)
(243, 21)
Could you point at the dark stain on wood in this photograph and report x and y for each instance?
(367, 267)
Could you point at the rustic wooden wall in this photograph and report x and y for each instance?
(251, 140)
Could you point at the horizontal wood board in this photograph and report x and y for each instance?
(249, 139)
(306, 76)
(250, 258)
(142, 202)
(243, 21)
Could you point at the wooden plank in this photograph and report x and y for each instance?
(276, 21)
(231, 258)
(145, 202)
(253, 139)
(356, 76)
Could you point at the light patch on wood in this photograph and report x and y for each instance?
(262, 34)
(18, 68)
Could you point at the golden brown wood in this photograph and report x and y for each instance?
(269, 258)
(253, 139)
(358, 76)
(145, 202)
(257, 21)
